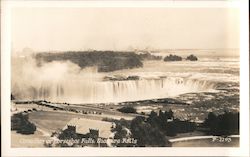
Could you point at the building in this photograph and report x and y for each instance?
(94, 128)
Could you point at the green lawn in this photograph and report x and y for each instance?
(50, 121)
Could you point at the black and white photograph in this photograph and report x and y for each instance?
(126, 77)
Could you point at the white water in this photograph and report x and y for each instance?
(66, 82)
(79, 91)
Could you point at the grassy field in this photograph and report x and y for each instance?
(50, 121)
(46, 122)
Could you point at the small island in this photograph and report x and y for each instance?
(179, 58)
(172, 58)
(192, 58)
(106, 61)
(120, 78)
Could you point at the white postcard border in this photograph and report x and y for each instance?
(187, 151)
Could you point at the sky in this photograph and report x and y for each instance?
(63, 29)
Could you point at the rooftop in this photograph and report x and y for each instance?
(83, 125)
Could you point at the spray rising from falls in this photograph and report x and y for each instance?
(66, 82)
(80, 91)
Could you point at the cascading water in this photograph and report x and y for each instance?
(67, 82)
(96, 91)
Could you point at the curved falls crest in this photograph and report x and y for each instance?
(93, 91)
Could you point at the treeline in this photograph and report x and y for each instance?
(172, 58)
(168, 124)
(153, 130)
(127, 109)
(105, 60)
(21, 124)
(148, 56)
(224, 124)
(179, 58)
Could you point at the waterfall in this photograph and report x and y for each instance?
(93, 91)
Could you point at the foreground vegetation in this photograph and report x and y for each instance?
(154, 130)
(21, 124)
(149, 130)
(225, 124)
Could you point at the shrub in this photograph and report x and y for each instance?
(127, 109)
(147, 135)
(21, 124)
(224, 124)
(192, 58)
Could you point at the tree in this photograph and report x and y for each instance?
(171, 129)
(21, 124)
(146, 134)
(127, 109)
(172, 58)
(224, 124)
(192, 58)
(169, 114)
(153, 119)
(121, 133)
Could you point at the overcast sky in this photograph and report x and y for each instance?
(61, 29)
